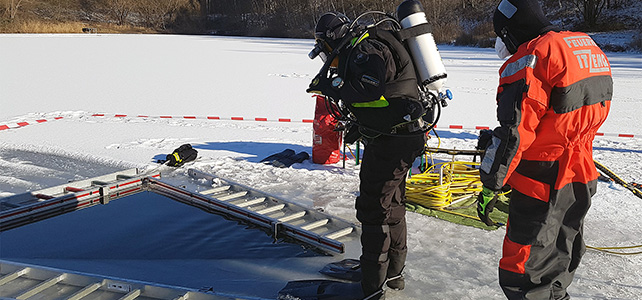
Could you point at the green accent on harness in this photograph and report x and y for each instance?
(382, 102)
(359, 39)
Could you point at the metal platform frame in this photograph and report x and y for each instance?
(21, 281)
(26, 208)
(279, 216)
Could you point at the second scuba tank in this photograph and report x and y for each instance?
(430, 68)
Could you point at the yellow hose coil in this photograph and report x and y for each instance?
(443, 184)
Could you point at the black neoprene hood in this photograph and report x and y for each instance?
(519, 21)
(331, 28)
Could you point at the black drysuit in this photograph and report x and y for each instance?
(380, 90)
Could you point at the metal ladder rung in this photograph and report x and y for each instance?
(232, 196)
(251, 202)
(183, 297)
(132, 295)
(339, 233)
(11, 276)
(41, 287)
(85, 291)
(271, 209)
(216, 190)
(315, 224)
(293, 216)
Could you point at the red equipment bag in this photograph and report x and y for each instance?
(327, 142)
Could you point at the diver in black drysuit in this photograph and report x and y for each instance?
(378, 85)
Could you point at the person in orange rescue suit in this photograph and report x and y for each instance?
(554, 93)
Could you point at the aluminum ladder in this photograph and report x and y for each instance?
(18, 281)
(282, 217)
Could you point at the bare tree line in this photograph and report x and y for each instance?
(296, 18)
(451, 19)
(589, 11)
(11, 7)
(156, 14)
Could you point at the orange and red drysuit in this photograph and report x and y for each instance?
(554, 93)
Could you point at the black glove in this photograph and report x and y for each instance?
(352, 134)
(484, 139)
(485, 204)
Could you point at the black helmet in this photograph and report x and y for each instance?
(330, 29)
(519, 21)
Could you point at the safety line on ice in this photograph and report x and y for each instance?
(25, 123)
(259, 119)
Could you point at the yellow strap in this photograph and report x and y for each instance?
(382, 102)
(358, 40)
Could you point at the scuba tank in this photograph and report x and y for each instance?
(414, 36)
(430, 69)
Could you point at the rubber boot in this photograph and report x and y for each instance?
(375, 242)
(397, 256)
(396, 282)
(374, 275)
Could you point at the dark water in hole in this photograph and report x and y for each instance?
(142, 226)
(149, 237)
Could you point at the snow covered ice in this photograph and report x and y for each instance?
(141, 78)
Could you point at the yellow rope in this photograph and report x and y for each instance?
(443, 184)
(608, 249)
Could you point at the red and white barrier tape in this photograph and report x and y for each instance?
(25, 123)
(627, 135)
(260, 119)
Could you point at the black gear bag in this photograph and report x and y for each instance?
(184, 153)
